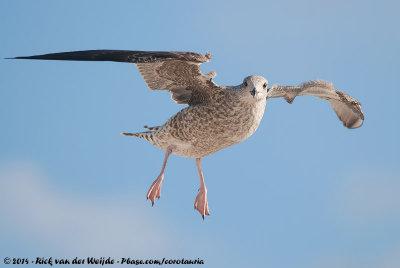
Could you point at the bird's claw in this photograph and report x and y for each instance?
(201, 204)
(155, 190)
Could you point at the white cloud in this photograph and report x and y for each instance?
(49, 218)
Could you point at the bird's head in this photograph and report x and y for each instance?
(254, 88)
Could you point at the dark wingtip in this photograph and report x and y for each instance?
(18, 58)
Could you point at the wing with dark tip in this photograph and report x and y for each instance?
(174, 71)
(122, 56)
(346, 108)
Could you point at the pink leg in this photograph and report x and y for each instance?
(155, 188)
(201, 200)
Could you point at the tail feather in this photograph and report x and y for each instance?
(148, 135)
(151, 128)
(130, 134)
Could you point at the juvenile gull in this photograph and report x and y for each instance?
(216, 116)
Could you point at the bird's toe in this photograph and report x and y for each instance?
(201, 204)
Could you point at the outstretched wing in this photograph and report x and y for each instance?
(177, 72)
(347, 109)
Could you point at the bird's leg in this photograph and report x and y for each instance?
(201, 200)
(155, 189)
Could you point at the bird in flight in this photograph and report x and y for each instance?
(216, 116)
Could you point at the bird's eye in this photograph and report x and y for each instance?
(245, 83)
(265, 85)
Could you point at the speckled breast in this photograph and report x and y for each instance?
(201, 130)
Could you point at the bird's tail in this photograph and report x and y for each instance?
(131, 134)
(151, 128)
(146, 135)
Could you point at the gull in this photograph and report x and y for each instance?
(216, 116)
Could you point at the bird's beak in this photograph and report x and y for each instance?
(253, 92)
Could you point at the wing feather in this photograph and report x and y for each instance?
(174, 71)
(346, 108)
(122, 56)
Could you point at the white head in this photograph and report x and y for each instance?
(254, 88)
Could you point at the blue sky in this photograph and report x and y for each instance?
(303, 191)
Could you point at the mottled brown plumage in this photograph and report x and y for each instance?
(216, 116)
(204, 129)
